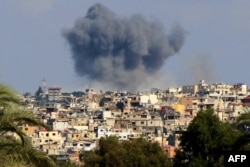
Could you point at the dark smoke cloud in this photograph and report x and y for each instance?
(120, 52)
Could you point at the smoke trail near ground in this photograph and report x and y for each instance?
(120, 52)
(201, 67)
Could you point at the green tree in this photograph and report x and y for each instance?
(13, 116)
(63, 163)
(14, 153)
(135, 153)
(243, 122)
(17, 151)
(7, 96)
(103, 101)
(243, 125)
(204, 142)
(27, 94)
(39, 92)
(78, 93)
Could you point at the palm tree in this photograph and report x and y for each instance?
(7, 96)
(13, 116)
(18, 151)
(15, 153)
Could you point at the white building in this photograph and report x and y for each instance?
(148, 99)
(60, 125)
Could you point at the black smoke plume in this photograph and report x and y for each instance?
(124, 53)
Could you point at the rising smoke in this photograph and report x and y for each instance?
(123, 53)
(201, 67)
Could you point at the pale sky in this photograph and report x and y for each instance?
(32, 47)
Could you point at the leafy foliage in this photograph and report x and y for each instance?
(135, 153)
(18, 151)
(243, 122)
(243, 125)
(13, 116)
(205, 140)
(78, 93)
(7, 96)
(61, 163)
(39, 92)
(103, 101)
(15, 152)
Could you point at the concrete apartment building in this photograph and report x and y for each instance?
(155, 115)
(54, 93)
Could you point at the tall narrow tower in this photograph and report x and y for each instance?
(44, 85)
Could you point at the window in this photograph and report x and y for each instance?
(47, 134)
(53, 134)
(26, 129)
(142, 122)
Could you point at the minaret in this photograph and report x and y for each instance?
(44, 85)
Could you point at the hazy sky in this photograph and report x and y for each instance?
(32, 46)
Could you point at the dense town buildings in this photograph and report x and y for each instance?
(80, 119)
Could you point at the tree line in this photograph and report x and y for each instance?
(202, 144)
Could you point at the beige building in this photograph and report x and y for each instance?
(29, 130)
(52, 135)
(54, 93)
(190, 102)
(190, 89)
(148, 99)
